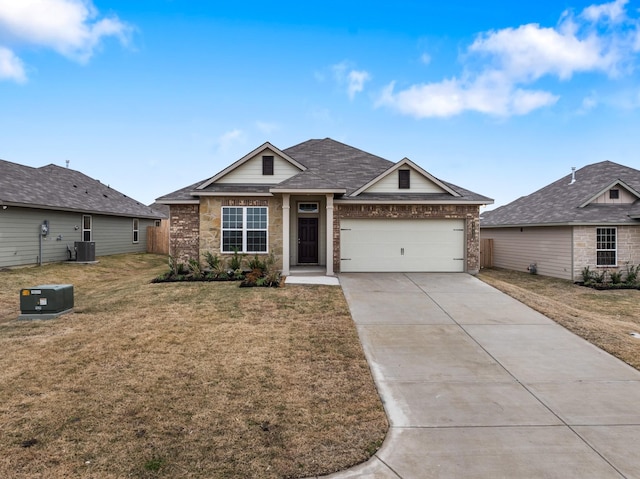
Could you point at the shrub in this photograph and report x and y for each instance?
(195, 270)
(235, 262)
(256, 263)
(599, 277)
(616, 277)
(632, 273)
(587, 275)
(213, 260)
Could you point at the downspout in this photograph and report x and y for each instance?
(40, 247)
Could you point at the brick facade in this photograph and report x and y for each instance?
(584, 248)
(184, 226)
(210, 229)
(469, 213)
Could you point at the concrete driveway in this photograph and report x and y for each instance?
(477, 385)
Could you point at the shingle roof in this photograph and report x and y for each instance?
(561, 202)
(331, 165)
(54, 187)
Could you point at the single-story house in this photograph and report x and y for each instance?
(590, 217)
(45, 211)
(330, 205)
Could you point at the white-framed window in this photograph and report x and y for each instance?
(86, 227)
(245, 229)
(606, 247)
(308, 207)
(136, 230)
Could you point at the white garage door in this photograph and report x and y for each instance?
(429, 245)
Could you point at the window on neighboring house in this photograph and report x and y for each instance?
(606, 250)
(136, 230)
(267, 165)
(156, 223)
(614, 194)
(404, 179)
(86, 227)
(244, 228)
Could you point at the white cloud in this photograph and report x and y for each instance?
(229, 139)
(11, 67)
(453, 97)
(500, 66)
(70, 27)
(354, 80)
(425, 58)
(267, 127)
(614, 11)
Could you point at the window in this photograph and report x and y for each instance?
(86, 227)
(614, 194)
(267, 165)
(156, 223)
(404, 179)
(606, 251)
(136, 229)
(244, 228)
(307, 207)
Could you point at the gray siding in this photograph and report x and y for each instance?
(516, 248)
(20, 234)
(114, 235)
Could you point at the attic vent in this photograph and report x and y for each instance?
(267, 165)
(75, 186)
(105, 195)
(404, 179)
(573, 175)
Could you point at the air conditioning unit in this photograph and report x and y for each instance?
(46, 301)
(85, 250)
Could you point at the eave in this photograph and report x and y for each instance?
(309, 191)
(77, 210)
(354, 201)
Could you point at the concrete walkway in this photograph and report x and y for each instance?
(477, 385)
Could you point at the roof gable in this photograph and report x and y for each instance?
(387, 182)
(572, 200)
(248, 169)
(602, 197)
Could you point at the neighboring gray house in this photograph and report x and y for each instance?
(326, 204)
(71, 207)
(588, 218)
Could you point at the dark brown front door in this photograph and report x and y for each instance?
(307, 240)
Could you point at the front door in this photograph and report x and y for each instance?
(307, 240)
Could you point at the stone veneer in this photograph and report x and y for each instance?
(469, 213)
(211, 229)
(184, 237)
(584, 248)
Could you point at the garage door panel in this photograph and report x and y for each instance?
(402, 245)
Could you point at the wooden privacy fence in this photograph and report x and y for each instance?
(158, 238)
(486, 253)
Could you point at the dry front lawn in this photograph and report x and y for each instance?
(189, 380)
(605, 318)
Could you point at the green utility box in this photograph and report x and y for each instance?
(46, 301)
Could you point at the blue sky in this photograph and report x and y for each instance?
(148, 96)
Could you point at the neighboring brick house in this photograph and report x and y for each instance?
(327, 204)
(45, 211)
(590, 217)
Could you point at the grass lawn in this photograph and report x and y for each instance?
(605, 318)
(198, 380)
